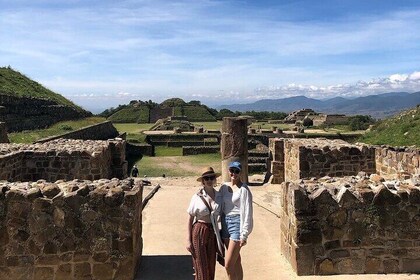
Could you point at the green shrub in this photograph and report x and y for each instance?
(65, 127)
(360, 122)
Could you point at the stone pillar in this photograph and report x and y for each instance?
(3, 133)
(234, 146)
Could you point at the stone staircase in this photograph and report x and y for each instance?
(258, 161)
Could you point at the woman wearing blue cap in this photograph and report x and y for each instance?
(237, 221)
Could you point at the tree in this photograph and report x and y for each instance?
(360, 122)
(225, 113)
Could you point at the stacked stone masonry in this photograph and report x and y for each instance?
(70, 230)
(100, 131)
(3, 133)
(402, 161)
(63, 159)
(20, 113)
(305, 158)
(350, 225)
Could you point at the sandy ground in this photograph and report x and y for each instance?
(165, 234)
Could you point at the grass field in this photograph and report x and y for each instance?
(209, 125)
(177, 165)
(132, 127)
(30, 136)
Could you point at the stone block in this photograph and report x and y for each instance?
(82, 271)
(391, 266)
(103, 271)
(373, 265)
(325, 267)
(385, 197)
(411, 265)
(303, 260)
(43, 273)
(336, 254)
(64, 272)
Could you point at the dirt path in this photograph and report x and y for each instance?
(164, 239)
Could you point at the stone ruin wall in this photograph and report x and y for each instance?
(347, 225)
(351, 225)
(101, 131)
(63, 159)
(21, 113)
(295, 159)
(403, 161)
(160, 113)
(329, 119)
(70, 230)
(3, 133)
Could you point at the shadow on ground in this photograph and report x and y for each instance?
(165, 267)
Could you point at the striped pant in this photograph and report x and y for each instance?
(204, 243)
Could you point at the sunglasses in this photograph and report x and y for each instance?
(234, 170)
(209, 178)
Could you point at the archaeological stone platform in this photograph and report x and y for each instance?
(63, 159)
(70, 230)
(351, 225)
(347, 208)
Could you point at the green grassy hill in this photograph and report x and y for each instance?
(14, 83)
(198, 114)
(131, 115)
(135, 113)
(400, 130)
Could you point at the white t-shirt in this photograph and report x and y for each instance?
(239, 202)
(231, 202)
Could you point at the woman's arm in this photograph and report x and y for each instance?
(190, 247)
(246, 214)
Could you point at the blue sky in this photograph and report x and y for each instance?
(104, 53)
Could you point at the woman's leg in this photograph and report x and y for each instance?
(232, 260)
(200, 238)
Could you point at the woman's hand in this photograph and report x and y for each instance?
(242, 243)
(190, 248)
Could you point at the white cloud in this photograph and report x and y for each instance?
(415, 76)
(400, 82)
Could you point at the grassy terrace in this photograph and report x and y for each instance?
(31, 136)
(16, 84)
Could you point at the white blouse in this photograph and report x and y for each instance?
(199, 210)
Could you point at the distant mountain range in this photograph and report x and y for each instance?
(378, 106)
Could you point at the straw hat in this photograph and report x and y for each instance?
(208, 171)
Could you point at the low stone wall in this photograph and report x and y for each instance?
(294, 159)
(100, 131)
(351, 225)
(160, 113)
(140, 150)
(276, 147)
(3, 133)
(21, 113)
(198, 150)
(63, 159)
(70, 230)
(390, 160)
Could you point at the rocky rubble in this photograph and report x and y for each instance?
(356, 224)
(70, 230)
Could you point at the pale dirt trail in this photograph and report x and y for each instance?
(164, 239)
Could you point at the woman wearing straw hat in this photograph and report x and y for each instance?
(237, 220)
(203, 232)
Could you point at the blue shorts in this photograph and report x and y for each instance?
(231, 227)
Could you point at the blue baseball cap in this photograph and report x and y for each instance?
(235, 164)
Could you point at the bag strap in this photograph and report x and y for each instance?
(200, 194)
